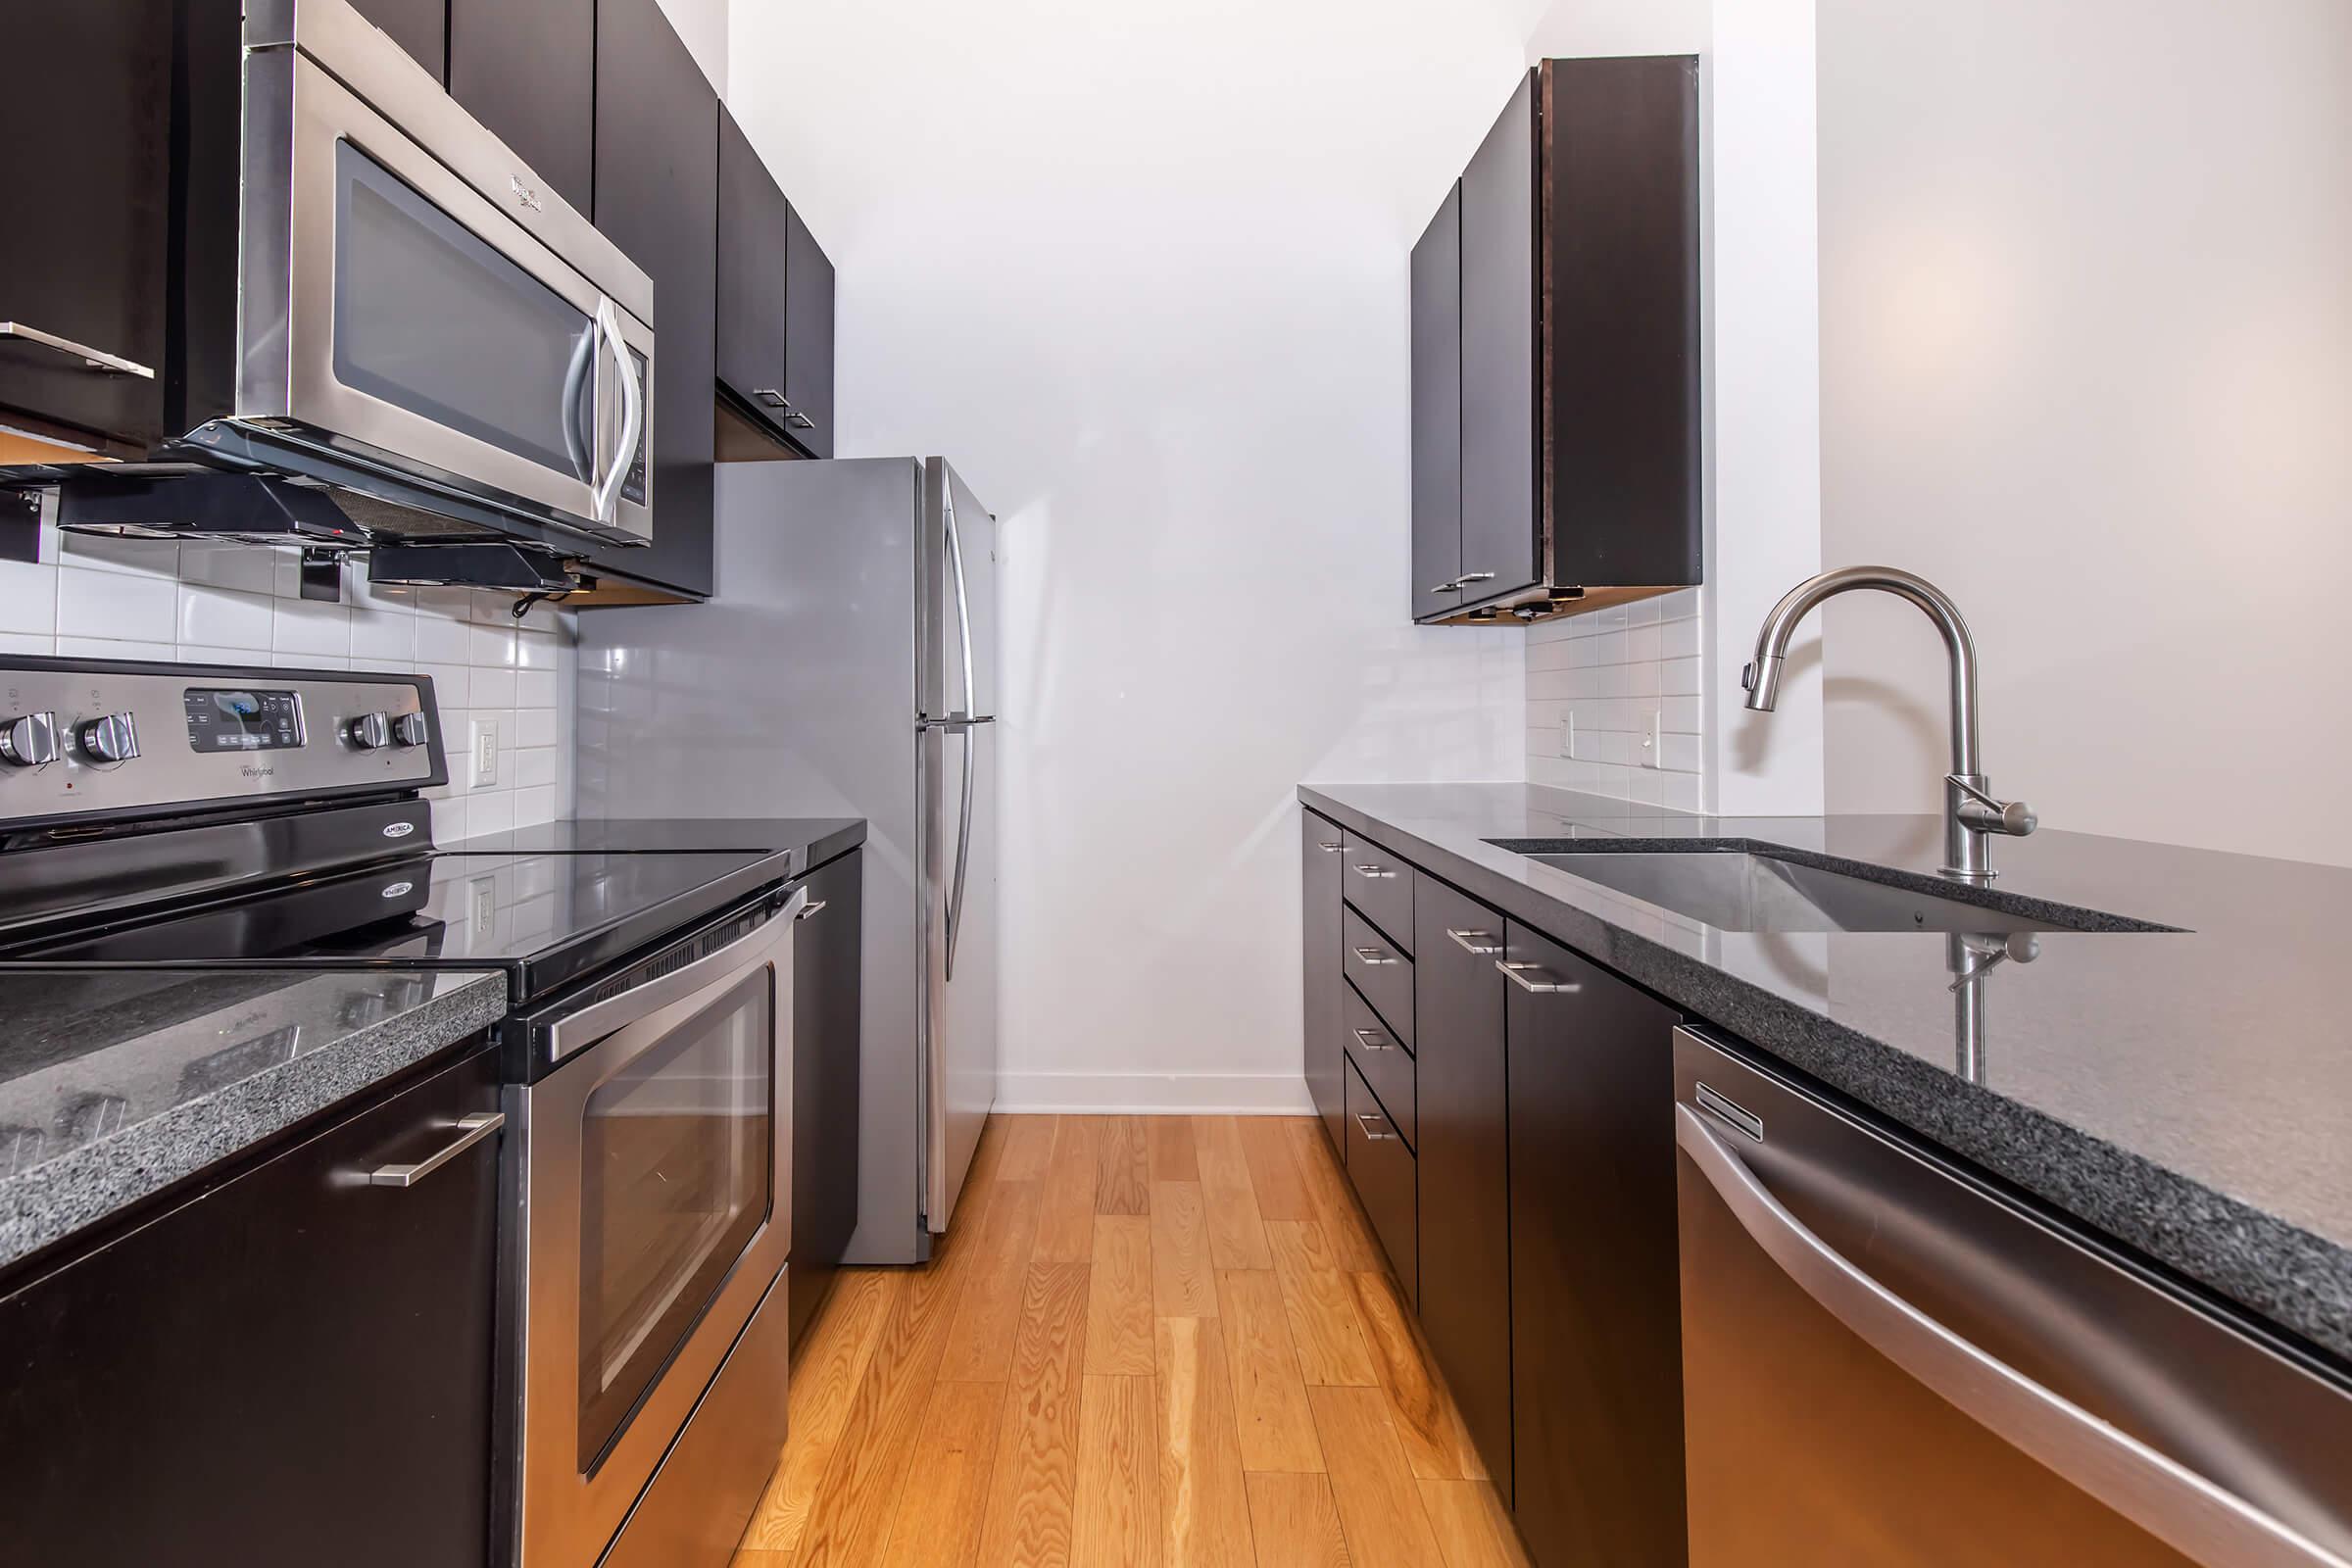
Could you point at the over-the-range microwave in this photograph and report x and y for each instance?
(428, 344)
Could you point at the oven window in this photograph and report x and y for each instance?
(676, 1179)
(432, 319)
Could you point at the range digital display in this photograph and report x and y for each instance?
(243, 720)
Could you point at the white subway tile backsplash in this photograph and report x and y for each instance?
(493, 648)
(238, 567)
(442, 641)
(223, 617)
(130, 558)
(313, 627)
(116, 606)
(534, 726)
(383, 636)
(1616, 671)
(28, 598)
(490, 812)
(534, 805)
(537, 688)
(490, 688)
(534, 766)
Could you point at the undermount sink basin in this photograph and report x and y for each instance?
(1736, 891)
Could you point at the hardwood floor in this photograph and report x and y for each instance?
(1149, 1342)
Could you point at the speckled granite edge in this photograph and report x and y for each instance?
(65, 1194)
(2278, 1269)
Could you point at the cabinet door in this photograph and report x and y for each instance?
(826, 951)
(754, 228)
(1500, 528)
(292, 1368)
(1438, 412)
(1321, 847)
(1463, 1123)
(809, 340)
(656, 197)
(1596, 1407)
(417, 26)
(527, 68)
(88, 113)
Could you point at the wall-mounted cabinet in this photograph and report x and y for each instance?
(1556, 334)
(527, 69)
(421, 27)
(775, 307)
(809, 340)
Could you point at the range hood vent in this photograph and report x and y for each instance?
(492, 564)
(180, 501)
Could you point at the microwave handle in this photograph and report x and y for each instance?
(632, 411)
(579, 386)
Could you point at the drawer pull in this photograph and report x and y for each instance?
(1367, 1120)
(1373, 957)
(1373, 1040)
(471, 1130)
(1374, 873)
(810, 911)
(1536, 978)
(1480, 943)
(1329, 847)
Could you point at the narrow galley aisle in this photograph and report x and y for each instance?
(1151, 1343)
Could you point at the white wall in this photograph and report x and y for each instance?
(2086, 339)
(1139, 271)
(701, 25)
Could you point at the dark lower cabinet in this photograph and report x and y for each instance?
(826, 953)
(656, 197)
(1597, 1412)
(527, 69)
(1463, 1120)
(1321, 847)
(808, 339)
(291, 1368)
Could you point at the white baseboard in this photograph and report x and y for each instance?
(1148, 1094)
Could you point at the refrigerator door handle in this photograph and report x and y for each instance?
(963, 845)
(964, 605)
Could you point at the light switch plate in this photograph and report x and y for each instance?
(1651, 745)
(486, 751)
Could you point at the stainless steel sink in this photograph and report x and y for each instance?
(1745, 892)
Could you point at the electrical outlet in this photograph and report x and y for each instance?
(1651, 747)
(486, 751)
(485, 904)
(1568, 735)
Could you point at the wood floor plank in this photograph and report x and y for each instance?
(1472, 1527)
(938, 1523)
(1033, 1487)
(1269, 1398)
(1171, 1140)
(1117, 1523)
(1118, 1308)
(980, 1342)
(1123, 1167)
(1320, 1305)
(826, 1375)
(1203, 1503)
(1237, 1235)
(1274, 1169)
(1065, 1219)
(1380, 1508)
(1028, 1148)
(1344, 1224)
(1295, 1522)
(1435, 1439)
(1183, 1281)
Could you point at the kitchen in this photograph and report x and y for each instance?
(1303, 1262)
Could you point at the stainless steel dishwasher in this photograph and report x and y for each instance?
(1887, 1362)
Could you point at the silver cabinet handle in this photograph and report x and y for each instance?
(1373, 1040)
(1479, 943)
(1461, 582)
(471, 1130)
(1447, 588)
(1367, 1120)
(2200, 1520)
(1373, 957)
(1534, 977)
(92, 359)
(797, 419)
(1374, 873)
(770, 396)
(811, 913)
(1332, 848)
(632, 411)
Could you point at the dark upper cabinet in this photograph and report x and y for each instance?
(809, 340)
(754, 228)
(1462, 1117)
(1577, 348)
(1595, 1293)
(421, 27)
(1321, 856)
(656, 197)
(89, 110)
(826, 950)
(1436, 428)
(527, 69)
(293, 1367)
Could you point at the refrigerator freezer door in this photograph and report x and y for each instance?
(960, 767)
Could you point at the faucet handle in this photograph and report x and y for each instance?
(1981, 813)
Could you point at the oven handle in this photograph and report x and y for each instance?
(711, 972)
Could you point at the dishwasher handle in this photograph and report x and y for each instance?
(2175, 1505)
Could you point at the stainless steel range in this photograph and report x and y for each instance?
(189, 816)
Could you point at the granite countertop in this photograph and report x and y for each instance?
(115, 1084)
(2188, 1092)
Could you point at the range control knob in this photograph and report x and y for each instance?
(28, 740)
(371, 732)
(109, 737)
(409, 730)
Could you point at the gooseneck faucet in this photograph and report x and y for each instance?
(1970, 812)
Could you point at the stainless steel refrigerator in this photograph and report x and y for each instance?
(847, 666)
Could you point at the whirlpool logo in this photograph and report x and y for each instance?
(257, 770)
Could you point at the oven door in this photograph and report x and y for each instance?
(656, 1186)
(396, 323)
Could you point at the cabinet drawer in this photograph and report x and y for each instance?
(1382, 970)
(1380, 1169)
(1387, 1066)
(1381, 886)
